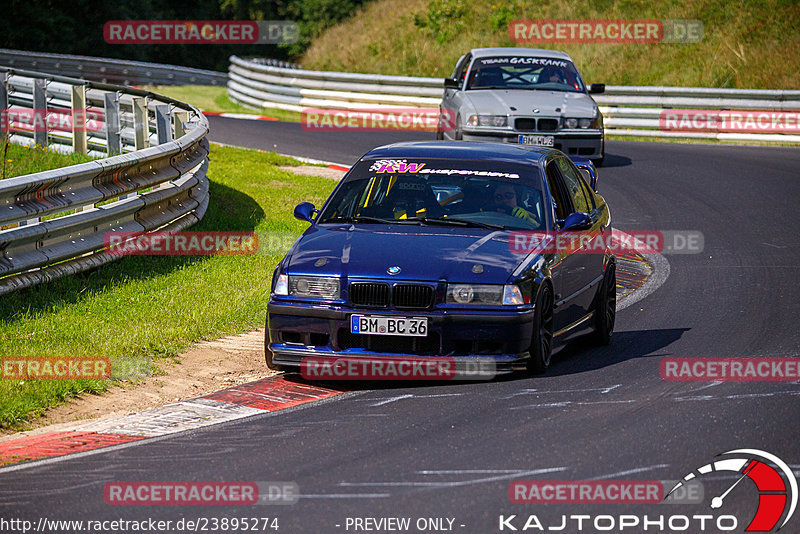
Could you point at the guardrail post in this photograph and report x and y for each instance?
(40, 107)
(5, 124)
(113, 140)
(179, 118)
(163, 126)
(79, 119)
(141, 128)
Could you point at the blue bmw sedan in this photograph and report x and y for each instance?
(454, 249)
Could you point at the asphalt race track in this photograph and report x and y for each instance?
(450, 450)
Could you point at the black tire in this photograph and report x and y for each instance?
(542, 337)
(273, 366)
(605, 311)
(458, 135)
(599, 161)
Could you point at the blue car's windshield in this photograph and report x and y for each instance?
(439, 192)
(509, 72)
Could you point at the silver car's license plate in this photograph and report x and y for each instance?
(539, 140)
(389, 326)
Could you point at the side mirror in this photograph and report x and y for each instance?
(597, 88)
(305, 211)
(577, 221)
(587, 167)
(451, 83)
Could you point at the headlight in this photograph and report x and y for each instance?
(488, 120)
(484, 294)
(326, 287)
(573, 123)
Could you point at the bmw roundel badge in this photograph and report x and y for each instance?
(394, 269)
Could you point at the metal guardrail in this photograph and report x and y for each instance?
(627, 110)
(275, 63)
(53, 223)
(257, 85)
(108, 70)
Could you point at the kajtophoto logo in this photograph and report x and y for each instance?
(775, 500)
(777, 488)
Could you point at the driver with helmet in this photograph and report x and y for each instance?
(504, 198)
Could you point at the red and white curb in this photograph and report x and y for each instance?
(268, 395)
(329, 164)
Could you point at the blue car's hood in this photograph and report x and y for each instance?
(422, 253)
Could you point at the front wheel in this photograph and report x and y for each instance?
(599, 161)
(271, 365)
(542, 339)
(606, 308)
(458, 134)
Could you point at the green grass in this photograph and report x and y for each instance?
(19, 160)
(150, 308)
(746, 44)
(215, 99)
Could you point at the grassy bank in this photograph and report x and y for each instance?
(148, 308)
(18, 160)
(753, 44)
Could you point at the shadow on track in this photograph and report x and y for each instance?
(613, 160)
(580, 355)
(577, 356)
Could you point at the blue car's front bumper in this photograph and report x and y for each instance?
(297, 330)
